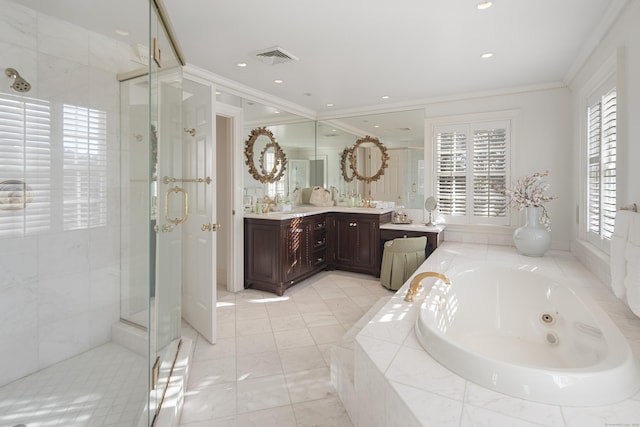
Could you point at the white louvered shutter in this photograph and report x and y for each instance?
(85, 167)
(451, 170)
(490, 170)
(25, 157)
(472, 171)
(601, 166)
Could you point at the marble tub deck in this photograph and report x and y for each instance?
(390, 380)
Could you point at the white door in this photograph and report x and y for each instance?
(199, 259)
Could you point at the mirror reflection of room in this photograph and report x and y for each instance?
(315, 158)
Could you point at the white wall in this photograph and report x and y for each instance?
(59, 290)
(541, 140)
(624, 35)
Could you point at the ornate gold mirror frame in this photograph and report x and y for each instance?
(344, 165)
(384, 157)
(280, 158)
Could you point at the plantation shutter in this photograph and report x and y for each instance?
(490, 170)
(601, 180)
(451, 170)
(85, 167)
(25, 164)
(472, 171)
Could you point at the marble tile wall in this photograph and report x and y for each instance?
(59, 290)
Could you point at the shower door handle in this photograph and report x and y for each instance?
(185, 205)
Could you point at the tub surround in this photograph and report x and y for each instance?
(385, 378)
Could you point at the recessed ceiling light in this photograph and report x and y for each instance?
(122, 33)
(241, 64)
(484, 5)
(276, 112)
(329, 105)
(385, 97)
(486, 55)
(278, 81)
(376, 126)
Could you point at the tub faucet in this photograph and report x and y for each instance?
(415, 286)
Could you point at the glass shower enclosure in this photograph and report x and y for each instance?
(89, 230)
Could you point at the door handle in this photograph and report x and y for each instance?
(210, 227)
(185, 205)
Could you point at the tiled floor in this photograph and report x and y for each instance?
(105, 386)
(270, 365)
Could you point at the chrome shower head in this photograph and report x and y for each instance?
(19, 84)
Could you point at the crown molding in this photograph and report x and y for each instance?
(595, 38)
(249, 93)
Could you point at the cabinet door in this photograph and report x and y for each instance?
(365, 249)
(297, 262)
(261, 252)
(345, 229)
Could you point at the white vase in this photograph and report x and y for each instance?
(533, 238)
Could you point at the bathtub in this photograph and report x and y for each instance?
(526, 335)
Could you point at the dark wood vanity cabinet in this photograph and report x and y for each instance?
(280, 253)
(355, 242)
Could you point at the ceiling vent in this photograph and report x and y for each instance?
(275, 55)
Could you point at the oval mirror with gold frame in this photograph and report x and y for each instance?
(353, 163)
(270, 145)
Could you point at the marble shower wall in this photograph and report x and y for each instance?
(60, 290)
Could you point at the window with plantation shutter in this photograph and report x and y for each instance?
(84, 136)
(451, 167)
(25, 162)
(601, 166)
(489, 172)
(472, 171)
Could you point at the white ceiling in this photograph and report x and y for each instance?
(352, 52)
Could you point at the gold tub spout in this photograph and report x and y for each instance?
(415, 286)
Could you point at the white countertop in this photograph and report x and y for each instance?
(300, 211)
(413, 227)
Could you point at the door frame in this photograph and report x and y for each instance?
(235, 245)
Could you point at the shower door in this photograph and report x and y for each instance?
(171, 199)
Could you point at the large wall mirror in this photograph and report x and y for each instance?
(315, 152)
(402, 134)
(296, 138)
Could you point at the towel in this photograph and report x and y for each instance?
(617, 257)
